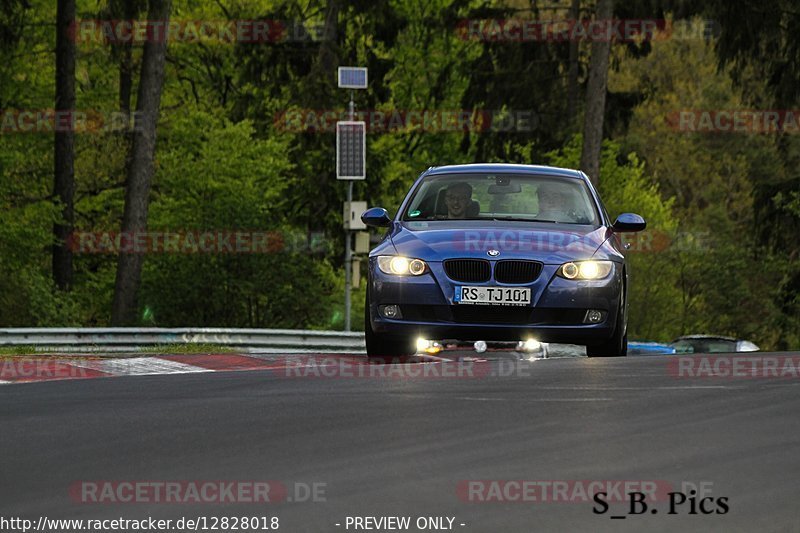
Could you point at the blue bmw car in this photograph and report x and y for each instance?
(498, 252)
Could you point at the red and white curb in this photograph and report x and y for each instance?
(34, 368)
(50, 368)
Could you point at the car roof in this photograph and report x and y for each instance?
(705, 337)
(506, 168)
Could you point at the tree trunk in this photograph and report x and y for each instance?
(327, 50)
(64, 145)
(572, 83)
(596, 97)
(140, 171)
(129, 13)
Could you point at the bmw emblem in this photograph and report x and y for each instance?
(493, 253)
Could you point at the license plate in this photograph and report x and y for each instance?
(492, 296)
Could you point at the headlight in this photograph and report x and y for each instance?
(586, 270)
(401, 266)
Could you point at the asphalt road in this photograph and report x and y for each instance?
(402, 446)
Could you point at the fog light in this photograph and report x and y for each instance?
(423, 344)
(433, 348)
(428, 346)
(593, 316)
(390, 311)
(531, 345)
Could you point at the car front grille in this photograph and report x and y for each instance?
(480, 270)
(517, 271)
(468, 270)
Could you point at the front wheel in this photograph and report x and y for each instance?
(617, 345)
(384, 344)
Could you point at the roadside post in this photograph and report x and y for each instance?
(351, 162)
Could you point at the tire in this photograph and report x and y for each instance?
(382, 344)
(617, 345)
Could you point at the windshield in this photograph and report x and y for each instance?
(502, 197)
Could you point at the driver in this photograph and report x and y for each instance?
(457, 198)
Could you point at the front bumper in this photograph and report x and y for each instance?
(556, 314)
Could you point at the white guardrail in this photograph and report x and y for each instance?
(135, 339)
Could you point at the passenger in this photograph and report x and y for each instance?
(552, 202)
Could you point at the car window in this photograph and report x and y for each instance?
(683, 347)
(704, 346)
(505, 197)
(717, 346)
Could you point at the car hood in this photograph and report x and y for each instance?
(548, 243)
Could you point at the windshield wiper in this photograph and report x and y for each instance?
(494, 218)
(445, 217)
(514, 219)
(517, 219)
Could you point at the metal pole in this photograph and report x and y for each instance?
(348, 250)
(348, 265)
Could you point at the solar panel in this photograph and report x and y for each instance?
(352, 77)
(351, 150)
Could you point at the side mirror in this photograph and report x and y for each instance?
(629, 223)
(377, 217)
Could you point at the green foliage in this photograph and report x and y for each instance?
(728, 202)
(625, 187)
(213, 175)
(730, 271)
